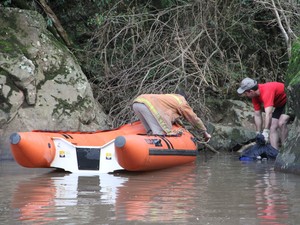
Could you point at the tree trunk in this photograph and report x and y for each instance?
(61, 31)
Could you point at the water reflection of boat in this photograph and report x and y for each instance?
(127, 147)
(32, 199)
(160, 195)
(42, 198)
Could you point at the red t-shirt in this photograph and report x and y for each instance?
(271, 94)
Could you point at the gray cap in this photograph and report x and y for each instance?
(246, 84)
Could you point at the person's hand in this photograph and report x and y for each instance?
(266, 133)
(206, 136)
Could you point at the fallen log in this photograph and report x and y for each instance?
(244, 147)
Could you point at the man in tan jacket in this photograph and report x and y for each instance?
(158, 112)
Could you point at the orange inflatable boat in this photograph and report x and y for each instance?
(141, 153)
(127, 147)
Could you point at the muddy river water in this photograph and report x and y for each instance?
(216, 189)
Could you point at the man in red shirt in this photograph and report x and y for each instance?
(272, 97)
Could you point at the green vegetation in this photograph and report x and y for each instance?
(293, 81)
(293, 73)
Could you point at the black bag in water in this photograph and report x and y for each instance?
(259, 150)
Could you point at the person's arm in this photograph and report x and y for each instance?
(268, 119)
(191, 116)
(258, 120)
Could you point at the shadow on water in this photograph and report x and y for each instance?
(214, 190)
